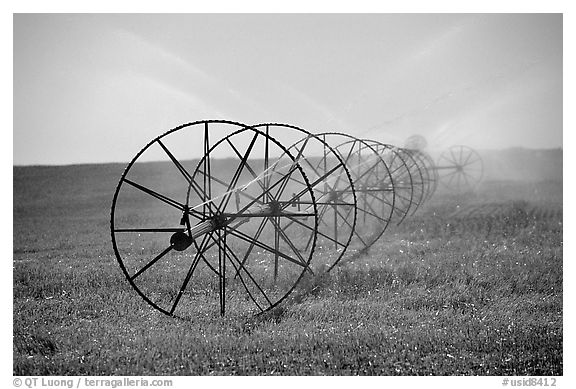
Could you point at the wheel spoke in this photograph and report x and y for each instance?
(303, 191)
(222, 269)
(473, 161)
(465, 179)
(395, 170)
(254, 239)
(181, 168)
(227, 252)
(450, 174)
(368, 171)
(313, 230)
(199, 253)
(240, 192)
(238, 173)
(276, 247)
(176, 229)
(266, 162)
(207, 189)
(264, 246)
(152, 262)
(470, 154)
(360, 238)
(455, 174)
(352, 145)
(291, 170)
(373, 214)
(247, 166)
(373, 196)
(259, 215)
(157, 195)
(453, 160)
(249, 276)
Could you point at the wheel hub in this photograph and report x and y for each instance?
(219, 221)
(180, 241)
(333, 196)
(274, 207)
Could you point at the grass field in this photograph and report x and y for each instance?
(469, 285)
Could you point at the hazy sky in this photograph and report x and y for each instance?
(98, 87)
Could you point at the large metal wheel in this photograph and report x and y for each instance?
(333, 190)
(204, 229)
(373, 186)
(419, 179)
(430, 173)
(460, 168)
(415, 142)
(403, 186)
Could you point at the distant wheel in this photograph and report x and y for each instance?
(430, 172)
(419, 178)
(333, 189)
(460, 168)
(373, 186)
(197, 237)
(415, 142)
(402, 183)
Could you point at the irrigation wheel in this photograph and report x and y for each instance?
(333, 190)
(429, 171)
(419, 179)
(373, 186)
(416, 142)
(460, 168)
(196, 237)
(403, 186)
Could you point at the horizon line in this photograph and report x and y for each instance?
(232, 157)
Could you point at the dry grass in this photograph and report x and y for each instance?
(445, 293)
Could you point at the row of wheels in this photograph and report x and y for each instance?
(219, 216)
